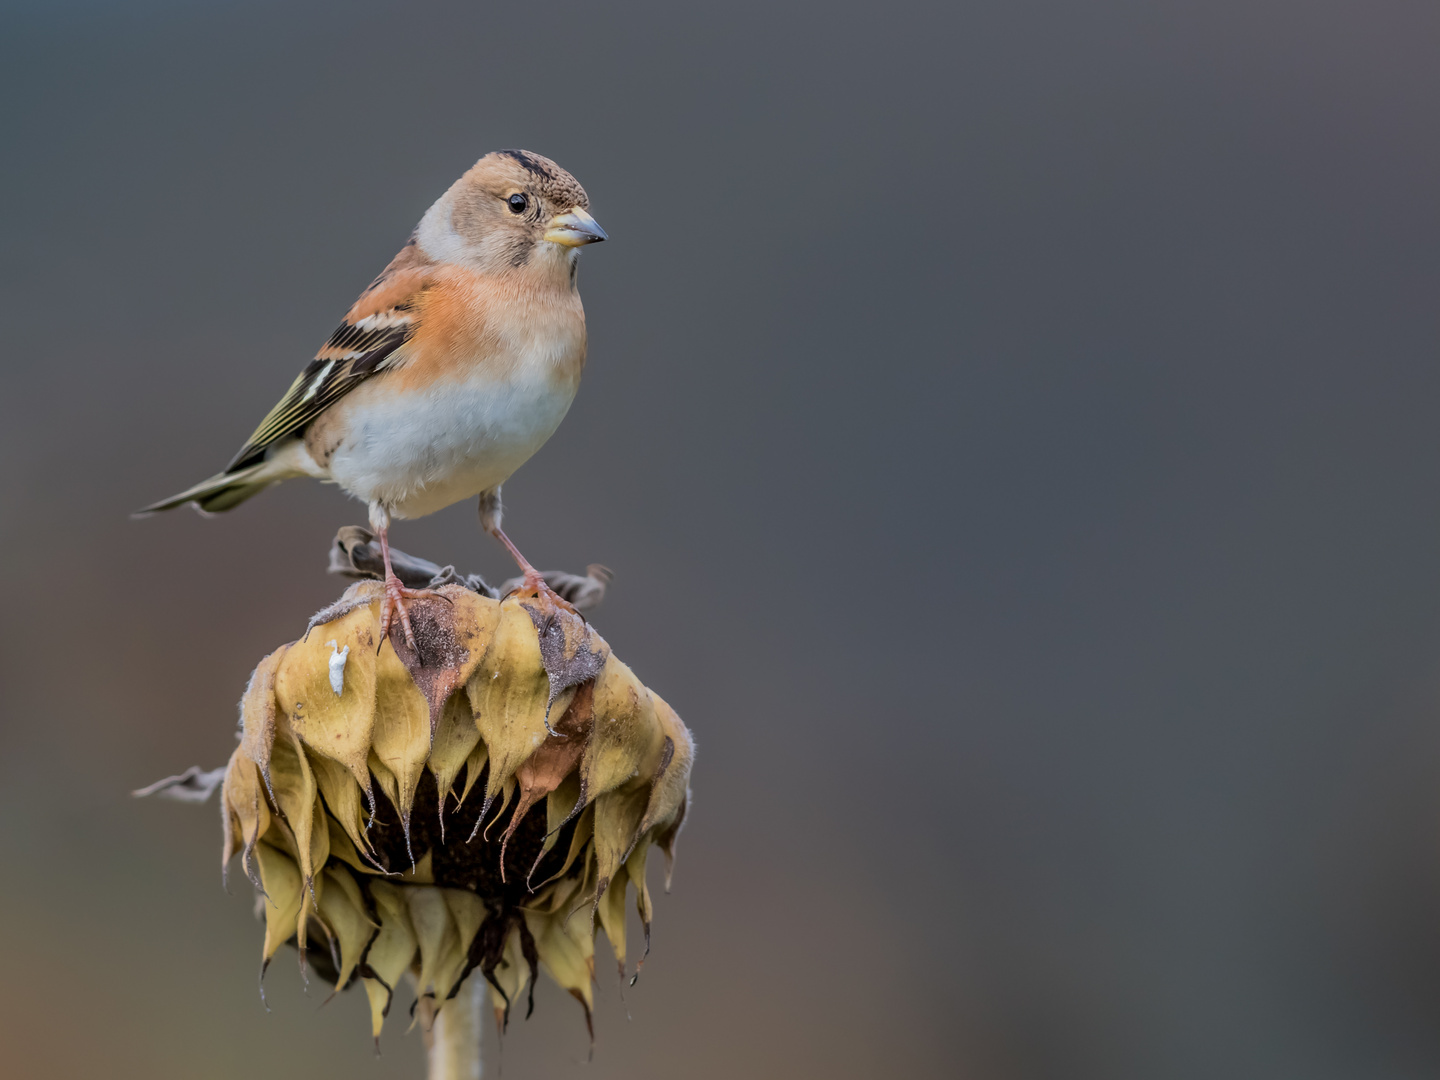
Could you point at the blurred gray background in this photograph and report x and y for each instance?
(1013, 427)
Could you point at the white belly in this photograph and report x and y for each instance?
(424, 450)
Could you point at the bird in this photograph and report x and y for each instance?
(452, 368)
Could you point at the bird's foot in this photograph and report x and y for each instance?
(392, 608)
(533, 582)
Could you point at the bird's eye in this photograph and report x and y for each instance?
(517, 203)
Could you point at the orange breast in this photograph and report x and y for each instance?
(469, 324)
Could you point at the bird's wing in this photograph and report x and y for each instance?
(366, 343)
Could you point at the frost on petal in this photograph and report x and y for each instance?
(570, 651)
(451, 637)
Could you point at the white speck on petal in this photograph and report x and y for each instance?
(337, 666)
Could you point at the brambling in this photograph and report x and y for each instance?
(449, 371)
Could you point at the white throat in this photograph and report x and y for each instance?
(436, 233)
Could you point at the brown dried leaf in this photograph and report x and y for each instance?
(560, 807)
(509, 693)
(319, 851)
(451, 638)
(548, 715)
(385, 779)
(422, 873)
(508, 978)
(438, 937)
(361, 594)
(343, 910)
(338, 726)
(571, 653)
(474, 767)
(672, 777)
(567, 952)
(506, 793)
(467, 912)
(257, 712)
(342, 798)
(283, 890)
(627, 740)
(666, 837)
(544, 770)
(390, 952)
(579, 840)
(194, 785)
(617, 824)
(343, 848)
(455, 740)
(610, 907)
(245, 809)
(297, 797)
(635, 871)
(401, 736)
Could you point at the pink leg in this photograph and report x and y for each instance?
(393, 604)
(533, 581)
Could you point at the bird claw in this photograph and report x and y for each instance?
(392, 606)
(534, 582)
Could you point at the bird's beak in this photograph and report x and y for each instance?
(574, 228)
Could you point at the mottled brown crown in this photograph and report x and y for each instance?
(553, 182)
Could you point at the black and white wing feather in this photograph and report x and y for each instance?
(354, 352)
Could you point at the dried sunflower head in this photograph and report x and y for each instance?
(481, 803)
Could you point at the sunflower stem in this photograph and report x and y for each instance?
(455, 1037)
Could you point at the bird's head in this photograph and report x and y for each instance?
(512, 209)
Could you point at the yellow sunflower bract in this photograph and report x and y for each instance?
(476, 808)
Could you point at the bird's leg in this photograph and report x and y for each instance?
(392, 604)
(533, 580)
(394, 597)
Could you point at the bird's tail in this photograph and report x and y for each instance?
(223, 491)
